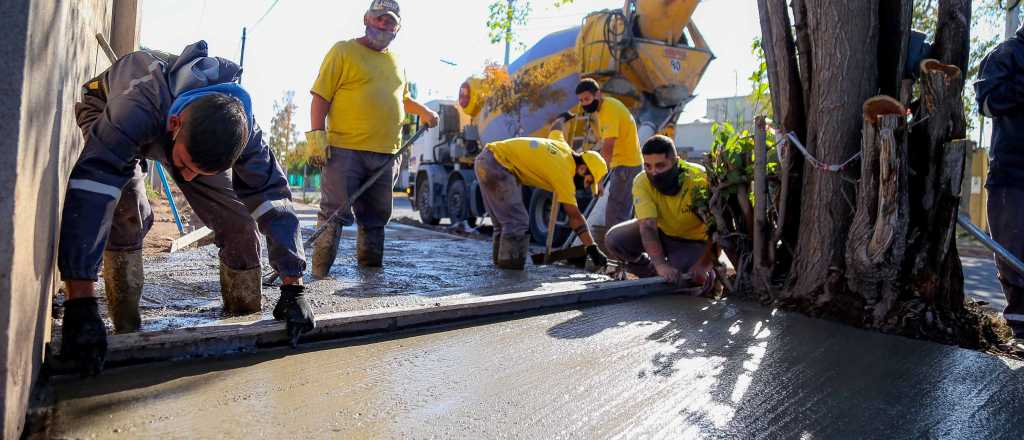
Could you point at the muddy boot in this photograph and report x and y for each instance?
(1014, 311)
(370, 247)
(294, 310)
(512, 251)
(122, 279)
(242, 290)
(83, 336)
(495, 246)
(325, 250)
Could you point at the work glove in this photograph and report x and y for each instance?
(599, 259)
(83, 336)
(294, 310)
(567, 116)
(317, 140)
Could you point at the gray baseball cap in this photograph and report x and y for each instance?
(381, 7)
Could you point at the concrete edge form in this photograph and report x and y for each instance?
(135, 348)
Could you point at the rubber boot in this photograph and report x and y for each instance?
(123, 278)
(241, 290)
(495, 246)
(370, 247)
(1014, 311)
(512, 251)
(325, 250)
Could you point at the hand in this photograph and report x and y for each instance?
(566, 116)
(317, 140)
(704, 275)
(430, 118)
(666, 271)
(599, 259)
(295, 311)
(83, 336)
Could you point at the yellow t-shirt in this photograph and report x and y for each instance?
(672, 213)
(541, 163)
(366, 89)
(615, 121)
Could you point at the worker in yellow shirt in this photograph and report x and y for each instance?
(667, 238)
(620, 148)
(360, 98)
(544, 163)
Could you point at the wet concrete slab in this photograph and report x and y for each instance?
(420, 266)
(661, 367)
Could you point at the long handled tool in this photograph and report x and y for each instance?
(567, 251)
(1010, 259)
(335, 219)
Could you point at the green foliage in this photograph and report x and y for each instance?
(283, 133)
(760, 96)
(504, 16)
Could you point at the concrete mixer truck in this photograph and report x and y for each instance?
(649, 54)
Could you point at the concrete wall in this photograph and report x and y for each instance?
(49, 49)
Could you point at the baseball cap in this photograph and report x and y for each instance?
(381, 7)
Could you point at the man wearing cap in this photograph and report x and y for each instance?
(667, 238)
(620, 147)
(360, 99)
(547, 164)
(188, 112)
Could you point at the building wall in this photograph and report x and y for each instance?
(49, 50)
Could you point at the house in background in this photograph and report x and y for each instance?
(694, 138)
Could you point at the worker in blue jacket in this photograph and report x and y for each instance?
(189, 113)
(1000, 96)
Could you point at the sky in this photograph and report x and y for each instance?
(285, 46)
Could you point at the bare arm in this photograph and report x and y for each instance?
(427, 115)
(318, 113)
(578, 224)
(607, 149)
(652, 241)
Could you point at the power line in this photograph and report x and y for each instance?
(265, 14)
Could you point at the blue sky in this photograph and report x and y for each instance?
(284, 50)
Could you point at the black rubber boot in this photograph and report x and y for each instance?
(325, 250)
(294, 310)
(241, 290)
(123, 278)
(495, 246)
(83, 336)
(1014, 311)
(513, 250)
(370, 247)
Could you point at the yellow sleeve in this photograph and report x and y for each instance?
(329, 78)
(643, 200)
(609, 121)
(556, 135)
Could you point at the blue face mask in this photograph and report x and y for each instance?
(379, 39)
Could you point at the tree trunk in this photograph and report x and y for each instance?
(843, 43)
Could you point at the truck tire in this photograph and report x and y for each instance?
(423, 201)
(539, 209)
(458, 202)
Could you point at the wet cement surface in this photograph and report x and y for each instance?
(420, 266)
(662, 367)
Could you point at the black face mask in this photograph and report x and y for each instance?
(592, 107)
(668, 182)
(578, 181)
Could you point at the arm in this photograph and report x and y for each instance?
(318, 110)
(428, 116)
(651, 238)
(998, 90)
(607, 149)
(262, 187)
(698, 272)
(578, 223)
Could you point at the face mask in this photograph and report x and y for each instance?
(379, 39)
(592, 107)
(668, 181)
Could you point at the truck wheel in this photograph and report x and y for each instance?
(540, 208)
(458, 202)
(423, 199)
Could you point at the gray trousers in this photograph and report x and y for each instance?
(625, 244)
(212, 199)
(1006, 220)
(620, 195)
(502, 194)
(345, 172)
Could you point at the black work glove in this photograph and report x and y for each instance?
(596, 256)
(567, 116)
(83, 336)
(294, 310)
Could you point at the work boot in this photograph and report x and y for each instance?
(122, 279)
(370, 247)
(512, 251)
(1014, 311)
(242, 290)
(325, 250)
(83, 336)
(495, 246)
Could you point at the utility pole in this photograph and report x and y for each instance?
(241, 57)
(1012, 18)
(508, 30)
